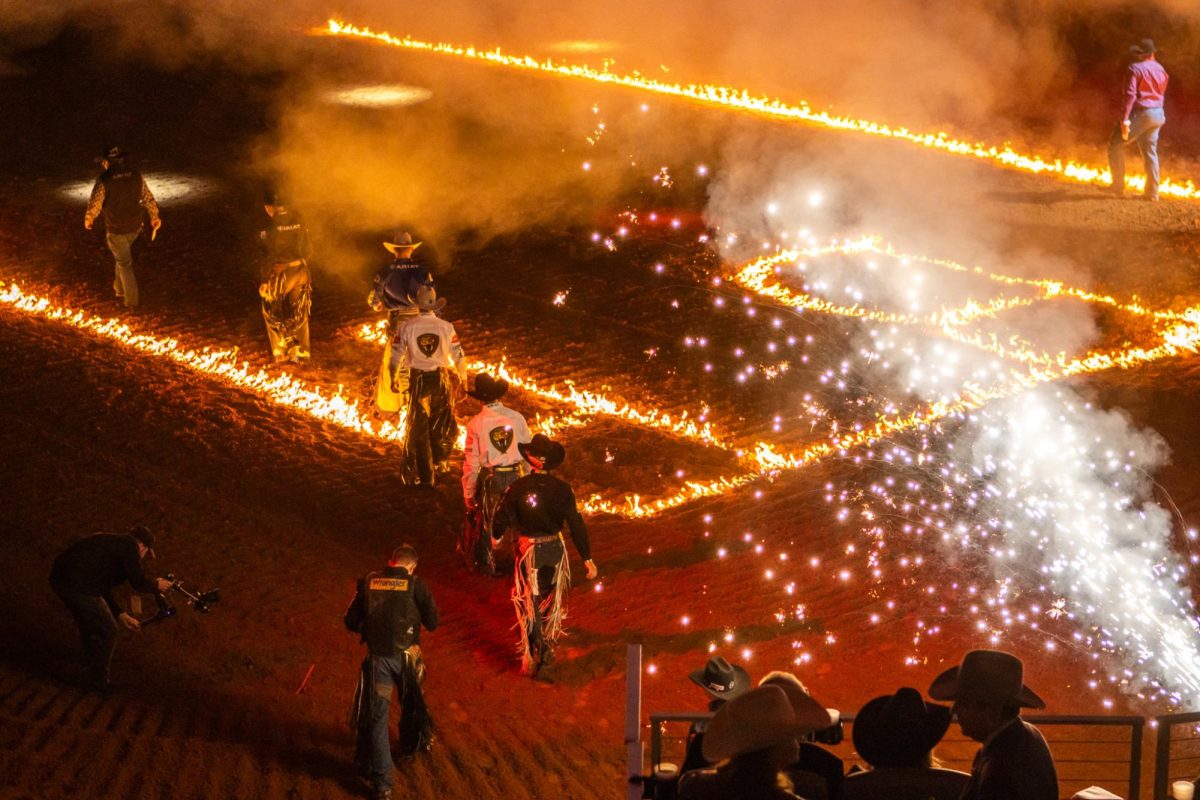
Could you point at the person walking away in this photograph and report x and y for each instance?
(988, 691)
(393, 290)
(427, 363)
(1141, 119)
(121, 198)
(537, 506)
(84, 577)
(491, 462)
(286, 283)
(388, 611)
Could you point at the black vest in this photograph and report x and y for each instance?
(392, 616)
(285, 237)
(122, 199)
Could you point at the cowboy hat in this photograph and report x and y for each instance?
(899, 730)
(802, 702)
(758, 719)
(403, 241)
(986, 676)
(542, 452)
(427, 300)
(721, 679)
(488, 389)
(113, 154)
(145, 536)
(1143, 48)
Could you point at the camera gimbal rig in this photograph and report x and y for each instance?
(202, 601)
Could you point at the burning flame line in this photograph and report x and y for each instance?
(743, 101)
(336, 408)
(582, 400)
(1182, 339)
(282, 389)
(760, 276)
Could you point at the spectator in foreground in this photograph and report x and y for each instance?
(752, 738)
(723, 682)
(816, 774)
(895, 734)
(989, 692)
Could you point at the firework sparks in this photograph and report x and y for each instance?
(744, 101)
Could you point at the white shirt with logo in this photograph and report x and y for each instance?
(426, 342)
(492, 438)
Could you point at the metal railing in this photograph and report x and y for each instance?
(1176, 757)
(1088, 750)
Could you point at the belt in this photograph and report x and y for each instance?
(294, 263)
(507, 468)
(554, 537)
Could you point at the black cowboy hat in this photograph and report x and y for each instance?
(721, 679)
(1143, 48)
(986, 676)
(899, 730)
(145, 536)
(488, 389)
(547, 453)
(112, 154)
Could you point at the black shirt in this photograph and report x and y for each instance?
(397, 283)
(538, 505)
(97, 564)
(286, 237)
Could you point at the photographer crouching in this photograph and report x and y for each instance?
(84, 576)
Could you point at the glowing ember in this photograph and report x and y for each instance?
(743, 101)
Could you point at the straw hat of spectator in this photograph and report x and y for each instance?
(759, 719)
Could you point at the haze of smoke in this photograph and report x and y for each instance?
(1067, 484)
(1071, 485)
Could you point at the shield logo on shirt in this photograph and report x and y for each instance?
(501, 438)
(428, 343)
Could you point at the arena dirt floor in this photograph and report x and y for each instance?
(283, 512)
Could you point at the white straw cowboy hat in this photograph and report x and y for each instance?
(761, 718)
(403, 242)
(986, 676)
(427, 299)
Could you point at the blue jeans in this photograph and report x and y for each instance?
(1144, 125)
(373, 753)
(97, 630)
(125, 285)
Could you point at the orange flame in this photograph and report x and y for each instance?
(743, 101)
(583, 401)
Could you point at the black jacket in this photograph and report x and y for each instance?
(1016, 765)
(97, 564)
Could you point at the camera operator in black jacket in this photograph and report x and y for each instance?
(84, 576)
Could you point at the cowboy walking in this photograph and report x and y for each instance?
(988, 691)
(426, 358)
(286, 284)
(388, 611)
(537, 506)
(121, 197)
(491, 463)
(1142, 118)
(393, 290)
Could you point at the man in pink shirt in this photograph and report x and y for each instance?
(1141, 119)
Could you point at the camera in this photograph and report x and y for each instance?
(833, 734)
(202, 601)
